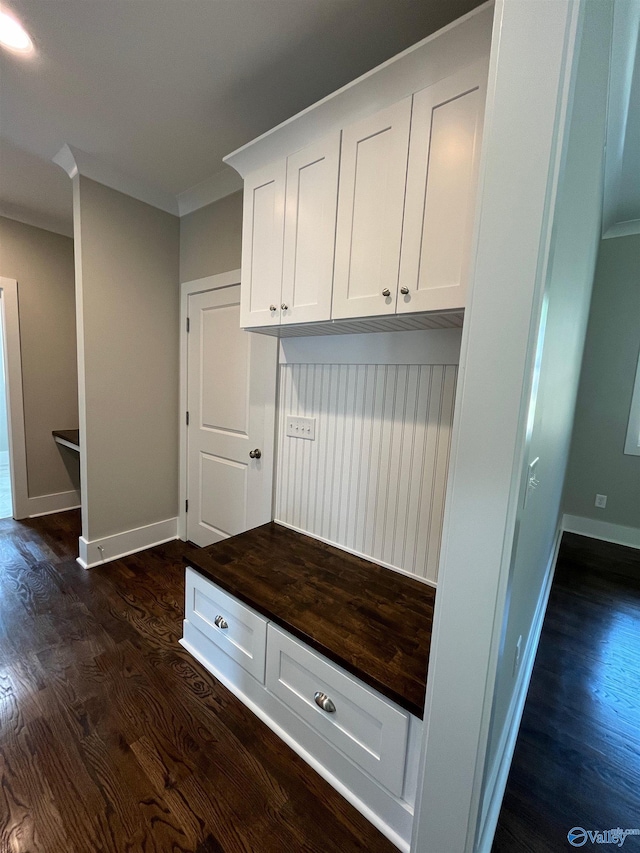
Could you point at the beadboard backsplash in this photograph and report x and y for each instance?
(373, 480)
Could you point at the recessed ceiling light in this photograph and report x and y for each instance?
(13, 35)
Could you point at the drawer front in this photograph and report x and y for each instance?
(365, 727)
(236, 629)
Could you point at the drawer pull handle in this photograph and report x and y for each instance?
(221, 622)
(272, 308)
(323, 701)
(404, 291)
(386, 292)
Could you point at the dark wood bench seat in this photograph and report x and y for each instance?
(372, 621)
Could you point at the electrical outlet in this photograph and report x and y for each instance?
(601, 501)
(516, 656)
(301, 427)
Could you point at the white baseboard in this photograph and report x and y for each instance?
(616, 533)
(499, 773)
(98, 551)
(48, 504)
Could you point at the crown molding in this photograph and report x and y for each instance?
(77, 162)
(622, 229)
(212, 189)
(461, 43)
(36, 220)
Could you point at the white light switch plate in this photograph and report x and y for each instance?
(301, 427)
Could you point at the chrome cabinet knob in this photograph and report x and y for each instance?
(255, 454)
(221, 622)
(386, 292)
(284, 306)
(323, 701)
(404, 291)
(272, 308)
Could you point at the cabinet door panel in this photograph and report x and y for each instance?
(446, 129)
(262, 237)
(310, 231)
(370, 204)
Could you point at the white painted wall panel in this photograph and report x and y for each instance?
(374, 479)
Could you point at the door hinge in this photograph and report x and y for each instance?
(187, 418)
(186, 506)
(188, 326)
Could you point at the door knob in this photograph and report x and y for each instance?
(386, 292)
(255, 454)
(272, 308)
(404, 291)
(284, 306)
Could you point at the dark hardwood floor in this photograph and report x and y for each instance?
(577, 758)
(112, 738)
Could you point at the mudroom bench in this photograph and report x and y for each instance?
(328, 649)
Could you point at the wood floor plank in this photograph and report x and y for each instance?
(114, 740)
(577, 758)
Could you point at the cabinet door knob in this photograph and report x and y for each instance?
(221, 622)
(323, 701)
(386, 292)
(272, 308)
(255, 454)
(404, 291)
(284, 306)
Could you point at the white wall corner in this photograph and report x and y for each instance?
(95, 552)
(222, 184)
(619, 534)
(74, 161)
(497, 776)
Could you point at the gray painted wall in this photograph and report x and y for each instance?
(597, 463)
(211, 239)
(128, 319)
(42, 264)
(4, 431)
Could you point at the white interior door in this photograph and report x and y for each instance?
(231, 390)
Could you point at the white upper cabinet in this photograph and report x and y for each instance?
(446, 131)
(309, 231)
(370, 202)
(262, 235)
(288, 237)
(363, 205)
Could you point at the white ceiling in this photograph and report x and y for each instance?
(161, 90)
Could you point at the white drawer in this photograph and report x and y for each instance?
(241, 633)
(368, 729)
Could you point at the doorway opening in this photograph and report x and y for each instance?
(6, 498)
